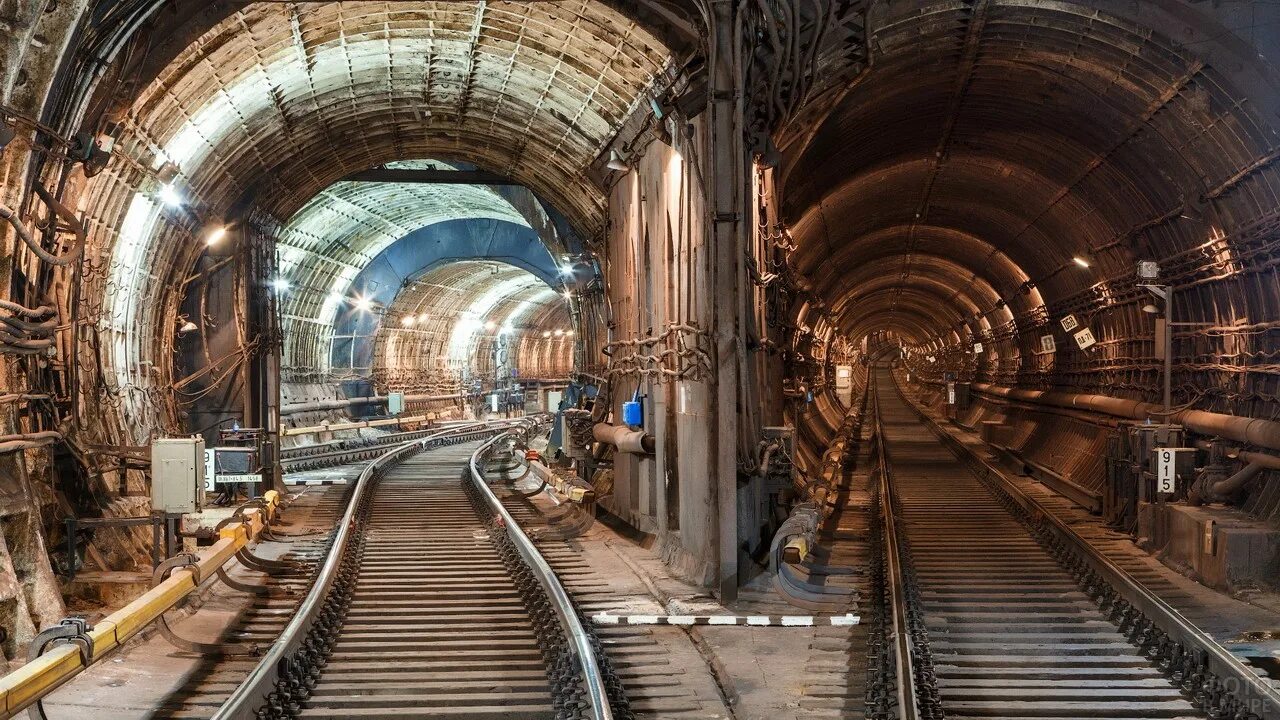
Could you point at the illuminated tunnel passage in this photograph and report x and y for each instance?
(736, 308)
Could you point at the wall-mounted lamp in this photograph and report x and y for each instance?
(1081, 260)
(616, 162)
(215, 236)
(187, 327)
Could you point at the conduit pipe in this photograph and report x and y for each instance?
(339, 404)
(624, 438)
(1253, 431)
(1237, 481)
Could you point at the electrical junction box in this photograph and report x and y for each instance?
(395, 403)
(177, 475)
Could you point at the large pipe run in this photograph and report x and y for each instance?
(624, 438)
(1254, 431)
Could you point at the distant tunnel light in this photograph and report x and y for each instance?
(363, 304)
(1081, 261)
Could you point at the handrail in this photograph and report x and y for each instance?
(261, 681)
(33, 681)
(596, 694)
(1260, 697)
(905, 687)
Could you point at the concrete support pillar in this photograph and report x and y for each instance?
(727, 153)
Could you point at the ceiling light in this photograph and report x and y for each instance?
(559, 332)
(569, 333)
(490, 325)
(546, 333)
(407, 320)
(422, 318)
(215, 236)
(568, 294)
(170, 196)
(363, 304)
(1150, 309)
(616, 162)
(567, 271)
(280, 285)
(1081, 261)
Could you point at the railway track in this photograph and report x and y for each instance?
(433, 604)
(994, 617)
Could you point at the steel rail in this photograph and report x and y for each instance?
(905, 685)
(593, 682)
(253, 693)
(1256, 693)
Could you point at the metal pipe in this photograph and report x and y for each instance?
(1237, 481)
(624, 438)
(1254, 431)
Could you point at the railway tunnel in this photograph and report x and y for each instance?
(799, 358)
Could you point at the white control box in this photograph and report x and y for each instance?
(177, 475)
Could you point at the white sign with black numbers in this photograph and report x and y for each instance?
(1085, 339)
(1167, 469)
(1069, 323)
(977, 348)
(1047, 344)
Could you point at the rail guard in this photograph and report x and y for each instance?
(253, 693)
(83, 645)
(1237, 679)
(596, 694)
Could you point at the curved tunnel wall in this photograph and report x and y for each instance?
(990, 144)
(275, 103)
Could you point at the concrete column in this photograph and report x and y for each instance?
(727, 152)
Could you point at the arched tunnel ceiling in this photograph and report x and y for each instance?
(439, 320)
(303, 94)
(1010, 137)
(276, 102)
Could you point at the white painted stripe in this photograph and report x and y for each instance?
(846, 620)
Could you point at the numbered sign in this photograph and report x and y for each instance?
(951, 393)
(1085, 339)
(977, 348)
(1046, 344)
(1069, 323)
(1167, 468)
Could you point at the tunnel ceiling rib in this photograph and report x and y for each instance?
(1042, 132)
(305, 94)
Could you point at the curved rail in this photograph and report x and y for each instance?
(275, 665)
(596, 695)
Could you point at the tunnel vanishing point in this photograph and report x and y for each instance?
(921, 357)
